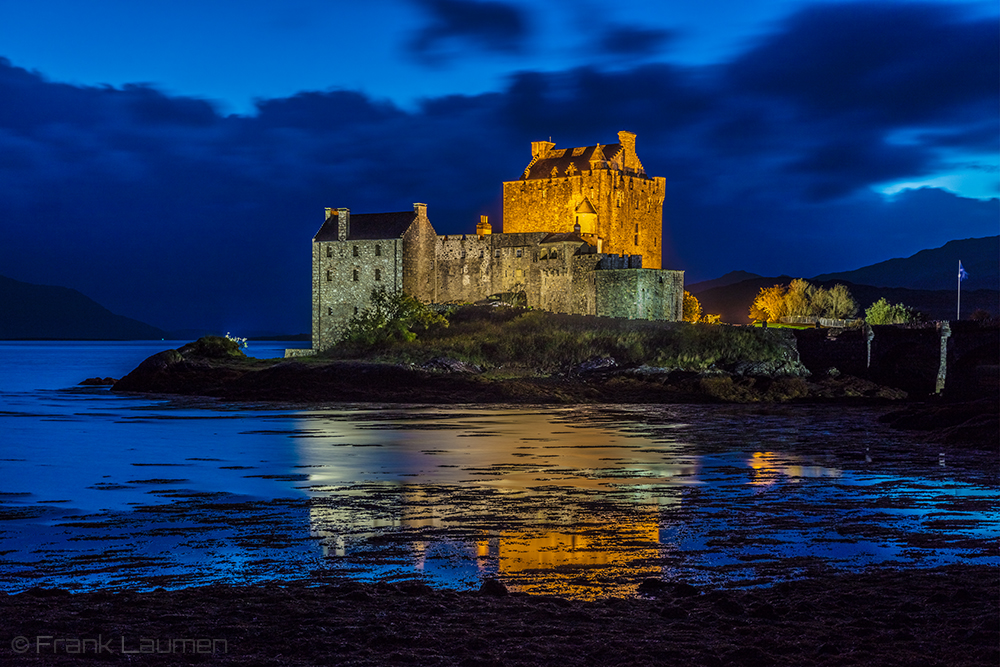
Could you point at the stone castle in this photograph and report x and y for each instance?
(582, 233)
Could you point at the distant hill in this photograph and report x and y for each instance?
(934, 269)
(60, 313)
(733, 301)
(730, 278)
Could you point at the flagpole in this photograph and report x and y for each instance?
(958, 312)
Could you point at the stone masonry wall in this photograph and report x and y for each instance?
(647, 294)
(344, 275)
(629, 209)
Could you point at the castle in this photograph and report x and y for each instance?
(582, 233)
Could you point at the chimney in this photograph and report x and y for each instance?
(629, 159)
(329, 212)
(343, 223)
(484, 228)
(420, 210)
(539, 149)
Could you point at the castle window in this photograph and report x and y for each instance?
(355, 275)
(329, 275)
(355, 310)
(378, 251)
(463, 254)
(354, 249)
(329, 251)
(378, 274)
(637, 228)
(554, 255)
(517, 252)
(481, 253)
(637, 239)
(329, 310)
(496, 253)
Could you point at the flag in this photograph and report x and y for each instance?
(962, 275)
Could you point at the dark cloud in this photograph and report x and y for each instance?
(484, 26)
(635, 41)
(166, 210)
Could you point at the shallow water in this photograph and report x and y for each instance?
(98, 489)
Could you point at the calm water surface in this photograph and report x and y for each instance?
(99, 489)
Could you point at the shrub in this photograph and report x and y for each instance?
(883, 312)
(214, 347)
(390, 317)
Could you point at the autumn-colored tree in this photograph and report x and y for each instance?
(692, 307)
(770, 303)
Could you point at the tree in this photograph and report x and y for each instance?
(883, 312)
(390, 317)
(838, 303)
(799, 298)
(770, 303)
(692, 307)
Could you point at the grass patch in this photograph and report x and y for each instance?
(532, 340)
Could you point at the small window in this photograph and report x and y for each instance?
(496, 253)
(637, 239)
(355, 310)
(329, 251)
(463, 254)
(554, 255)
(378, 251)
(517, 252)
(481, 254)
(354, 250)
(378, 274)
(329, 275)
(355, 275)
(637, 228)
(329, 310)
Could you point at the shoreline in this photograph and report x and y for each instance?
(939, 616)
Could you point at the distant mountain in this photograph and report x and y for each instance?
(733, 301)
(730, 278)
(935, 269)
(60, 313)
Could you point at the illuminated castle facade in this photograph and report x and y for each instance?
(582, 232)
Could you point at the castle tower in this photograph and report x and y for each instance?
(603, 188)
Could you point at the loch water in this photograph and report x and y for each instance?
(99, 489)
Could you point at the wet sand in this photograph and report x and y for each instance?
(946, 616)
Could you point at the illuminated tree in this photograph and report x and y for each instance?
(770, 303)
(692, 307)
(838, 303)
(799, 298)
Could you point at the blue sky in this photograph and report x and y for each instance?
(173, 159)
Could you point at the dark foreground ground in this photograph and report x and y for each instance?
(948, 616)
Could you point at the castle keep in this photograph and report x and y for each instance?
(582, 230)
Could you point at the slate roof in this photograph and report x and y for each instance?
(368, 226)
(562, 158)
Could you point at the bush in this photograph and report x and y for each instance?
(390, 317)
(214, 347)
(882, 312)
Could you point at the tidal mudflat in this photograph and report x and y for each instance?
(582, 503)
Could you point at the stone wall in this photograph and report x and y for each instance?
(344, 275)
(420, 257)
(647, 294)
(629, 209)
